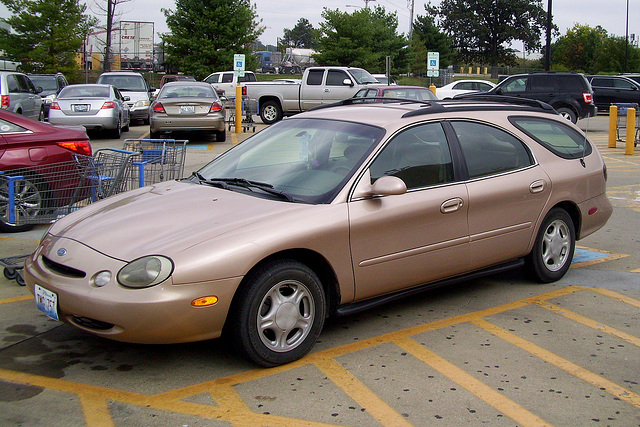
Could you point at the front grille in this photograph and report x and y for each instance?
(63, 269)
(89, 323)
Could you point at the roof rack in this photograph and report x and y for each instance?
(495, 103)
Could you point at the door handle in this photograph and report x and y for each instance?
(451, 205)
(537, 186)
(327, 89)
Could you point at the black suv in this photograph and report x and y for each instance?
(569, 93)
(614, 90)
(51, 85)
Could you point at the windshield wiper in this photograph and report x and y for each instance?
(245, 183)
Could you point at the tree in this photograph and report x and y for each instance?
(577, 49)
(302, 35)
(205, 34)
(44, 39)
(481, 30)
(109, 11)
(428, 37)
(361, 39)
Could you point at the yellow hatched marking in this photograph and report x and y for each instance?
(96, 411)
(617, 296)
(16, 299)
(578, 318)
(612, 256)
(375, 406)
(500, 402)
(564, 364)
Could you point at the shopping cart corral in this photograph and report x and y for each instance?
(43, 194)
(622, 122)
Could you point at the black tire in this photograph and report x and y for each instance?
(30, 200)
(154, 135)
(568, 114)
(270, 112)
(552, 252)
(117, 132)
(284, 291)
(127, 127)
(41, 115)
(221, 135)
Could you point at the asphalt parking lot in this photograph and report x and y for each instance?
(499, 350)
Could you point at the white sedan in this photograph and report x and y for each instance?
(463, 86)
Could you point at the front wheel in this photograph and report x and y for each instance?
(270, 112)
(29, 199)
(279, 314)
(553, 250)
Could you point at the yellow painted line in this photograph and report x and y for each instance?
(611, 256)
(376, 407)
(96, 411)
(500, 402)
(635, 270)
(16, 299)
(599, 326)
(562, 363)
(234, 138)
(617, 296)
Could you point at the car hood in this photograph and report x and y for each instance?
(167, 218)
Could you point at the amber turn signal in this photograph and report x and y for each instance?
(204, 301)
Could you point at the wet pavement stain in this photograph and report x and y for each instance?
(10, 392)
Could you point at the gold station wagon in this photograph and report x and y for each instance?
(326, 213)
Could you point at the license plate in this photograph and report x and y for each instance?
(80, 108)
(47, 302)
(187, 109)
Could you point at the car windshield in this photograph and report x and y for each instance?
(45, 82)
(84, 91)
(308, 160)
(124, 83)
(362, 76)
(199, 91)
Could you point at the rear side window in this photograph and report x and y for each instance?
(557, 137)
(247, 78)
(315, 77)
(543, 83)
(573, 83)
(12, 84)
(227, 78)
(598, 82)
(488, 150)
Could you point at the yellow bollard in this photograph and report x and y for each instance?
(613, 120)
(470, 70)
(461, 70)
(238, 109)
(432, 88)
(631, 131)
(477, 70)
(486, 70)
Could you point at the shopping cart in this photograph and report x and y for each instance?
(249, 108)
(42, 194)
(621, 125)
(155, 160)
(13, 266)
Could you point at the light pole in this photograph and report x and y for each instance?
(626, 43)
(547, 61)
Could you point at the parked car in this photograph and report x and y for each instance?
(136, 87)
(614, 90)
(19, 95)
(172, 78)
(463, 86)
(417, 93)
(633, 76)
(26, 146)
(569, 93)
(383, 79)
(187, 106)
(326, 213)
(99, 107)
(51, 85)
(225, 82)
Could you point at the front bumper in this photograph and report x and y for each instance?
(155, 315)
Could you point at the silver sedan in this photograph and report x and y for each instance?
(187, 106)
(94, 106)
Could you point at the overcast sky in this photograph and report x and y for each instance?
(279, 14)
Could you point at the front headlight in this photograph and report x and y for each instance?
(141, 103)
(145, 272)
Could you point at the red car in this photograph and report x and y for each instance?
(27, 148)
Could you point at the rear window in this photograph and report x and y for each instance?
(557, 137)
(574, 84)
(133, 83)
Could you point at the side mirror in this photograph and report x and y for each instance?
(39, 89)
(347, 82)
(384, 186)
(126, 98)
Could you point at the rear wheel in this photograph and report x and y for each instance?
(553, 250)
(221, 135)
(279, 314)
(568, 114)
(117, 132)
(270, 112)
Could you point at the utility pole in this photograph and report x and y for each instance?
(366, 3)
(107, 51)
(547, 61)
(410, 4)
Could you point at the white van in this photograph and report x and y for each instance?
(136, 87)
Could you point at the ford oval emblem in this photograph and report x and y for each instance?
(62, 252)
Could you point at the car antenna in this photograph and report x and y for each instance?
(584, 145)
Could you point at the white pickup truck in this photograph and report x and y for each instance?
(319, 85)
